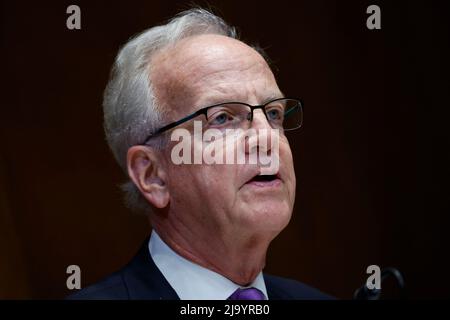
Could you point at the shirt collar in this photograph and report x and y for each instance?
(190, 280)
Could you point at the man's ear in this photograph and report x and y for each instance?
(148, 174)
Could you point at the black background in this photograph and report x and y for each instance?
(371, 160)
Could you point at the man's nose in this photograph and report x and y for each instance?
(259, 120)
(263, 129)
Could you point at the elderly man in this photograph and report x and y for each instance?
(212, 222)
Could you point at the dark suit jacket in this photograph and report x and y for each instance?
(141, 279)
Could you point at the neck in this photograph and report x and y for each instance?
(240, 259)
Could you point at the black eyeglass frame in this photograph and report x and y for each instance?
(204, 111)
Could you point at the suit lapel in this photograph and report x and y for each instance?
(273, 291)
(144, 280)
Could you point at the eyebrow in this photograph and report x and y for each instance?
(218, 100)
(273, 96)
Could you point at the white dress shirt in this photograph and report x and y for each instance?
(190, 280)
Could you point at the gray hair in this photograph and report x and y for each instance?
(130, 109)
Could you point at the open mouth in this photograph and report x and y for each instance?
(263, 180)
(263, 177)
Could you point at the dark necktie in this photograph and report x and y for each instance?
(247, 294)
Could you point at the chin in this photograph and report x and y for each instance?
(269, 217)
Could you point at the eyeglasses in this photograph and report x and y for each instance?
(283, 113)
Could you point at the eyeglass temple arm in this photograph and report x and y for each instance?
(174, 124)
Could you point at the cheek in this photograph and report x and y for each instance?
(286, 158)
(218, 183)
(287, 162)
(207, 185)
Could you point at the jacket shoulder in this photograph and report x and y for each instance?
(112, 287)
(279, 288)
(140, 279)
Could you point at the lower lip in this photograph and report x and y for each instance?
(265, 184)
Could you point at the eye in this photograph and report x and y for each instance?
(220, 118)
(275, 113)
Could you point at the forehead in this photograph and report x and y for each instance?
(210, 69)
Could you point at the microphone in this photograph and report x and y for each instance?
(364, 293)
